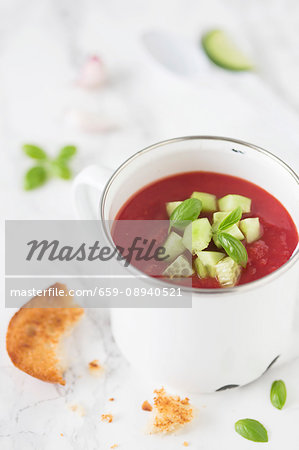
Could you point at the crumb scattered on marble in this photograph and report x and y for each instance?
(111, 399)
(107, 418)
(146, 406)
(171, 412)
(94, 367)
(79, 409)
(186, 444)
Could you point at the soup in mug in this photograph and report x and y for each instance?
(221, 230)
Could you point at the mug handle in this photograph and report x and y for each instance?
(88, 185)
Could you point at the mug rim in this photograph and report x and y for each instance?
(215, 291)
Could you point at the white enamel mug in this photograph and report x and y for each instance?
(230, 336)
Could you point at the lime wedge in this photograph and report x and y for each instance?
(223, 52)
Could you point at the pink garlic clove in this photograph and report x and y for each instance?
(93, 73)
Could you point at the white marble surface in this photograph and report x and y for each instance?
(42, 46)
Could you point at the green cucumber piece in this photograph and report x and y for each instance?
(234, 230)
(179, 268)
(209, 201)
(232, 201)
(227, 272)
(171, 206)
(205, 263)
(201, 269)
(251, 229)
(197, 235)
(173, 246)
(223, 52)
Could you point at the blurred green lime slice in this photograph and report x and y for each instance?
(223, 52)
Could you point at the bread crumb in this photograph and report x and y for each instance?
(94, 367)
(111, 399)
(185, 444)
(107, 418)
(78, 409)
(146, 406)
(61, 434)
(114, 446)
(170, 411)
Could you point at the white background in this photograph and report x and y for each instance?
(43, 45)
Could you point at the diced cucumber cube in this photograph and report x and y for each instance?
(234, 230)
(173, 246)
(205, 263)
(251, 229)
(201, 269)
(209, 201)
(197, 235)
(227, 272)
(232, 201)
(179, 268)
(171, 206)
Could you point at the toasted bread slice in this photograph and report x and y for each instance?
(35, 333)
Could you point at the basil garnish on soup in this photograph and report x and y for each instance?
(187, 211)
(214, 236)
(225, 264)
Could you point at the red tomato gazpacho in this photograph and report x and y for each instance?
(235, 230)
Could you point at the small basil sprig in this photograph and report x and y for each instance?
(252, 430)
(188, 210)
(278, 394)
(233, 247)
(47, 167)
(231, 219)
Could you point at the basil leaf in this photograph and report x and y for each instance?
(188, 210)
(231, 219)
(35, 177)
(35, 152)
(234, 248)
(252, 430)
(278, 394)
(67, 152)
(61, 170)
